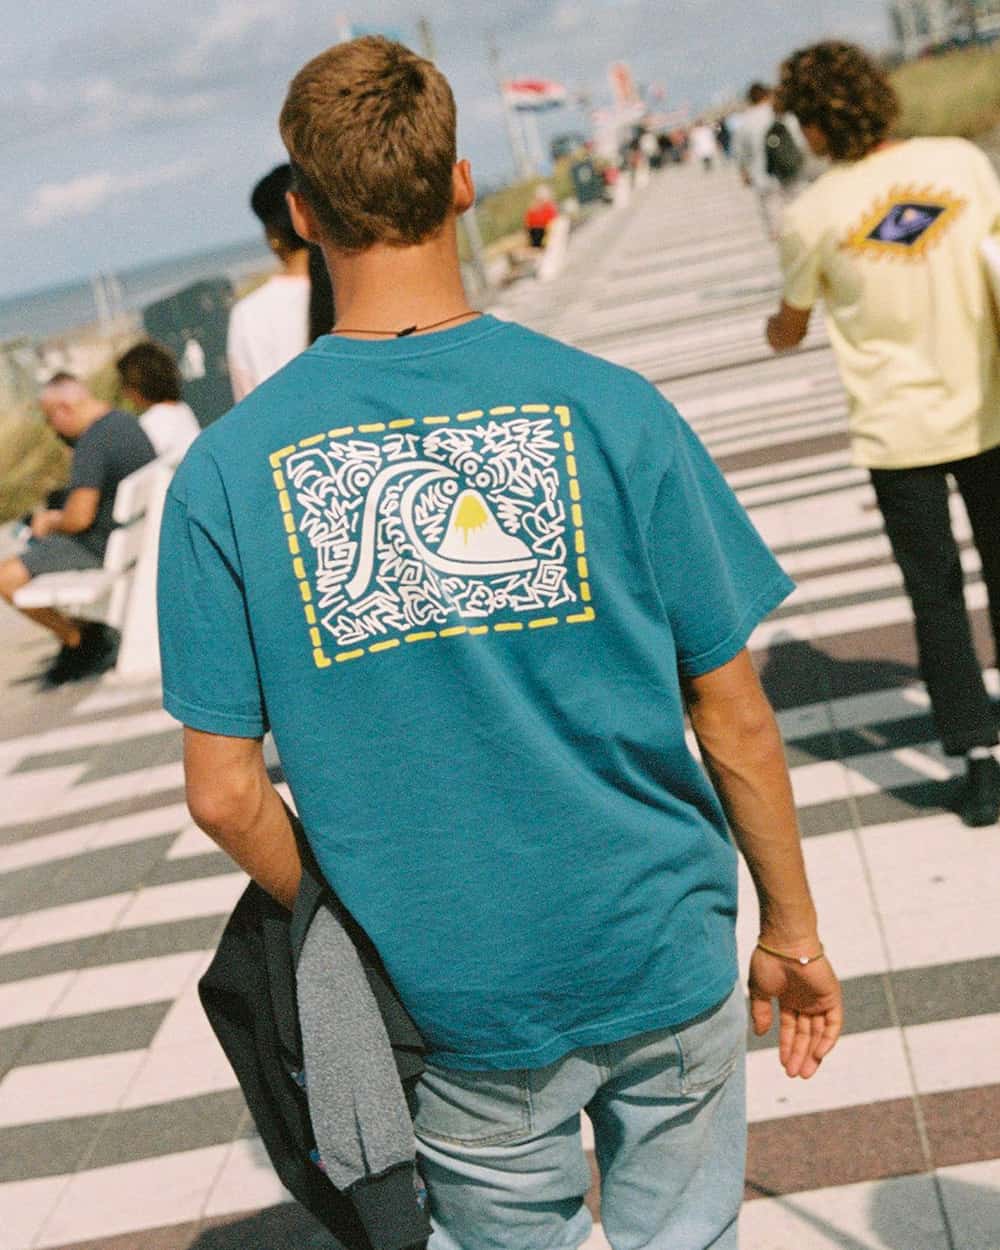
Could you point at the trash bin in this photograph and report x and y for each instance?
(193, 323)
(586, 183)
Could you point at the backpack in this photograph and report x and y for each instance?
(783, 156)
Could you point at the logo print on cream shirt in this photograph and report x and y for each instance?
(905, 224)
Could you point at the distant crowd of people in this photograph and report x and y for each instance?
(769, 150)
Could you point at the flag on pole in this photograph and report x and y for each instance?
(534, 95)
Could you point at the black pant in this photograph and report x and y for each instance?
(914, 504)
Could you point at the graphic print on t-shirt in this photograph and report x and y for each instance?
(435, 527)
(906, 223)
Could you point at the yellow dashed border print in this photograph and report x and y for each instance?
(316, 639)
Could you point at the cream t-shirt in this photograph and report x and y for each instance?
(891, 244)
(267, 328)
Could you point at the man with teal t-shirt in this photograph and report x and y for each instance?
(471, 579)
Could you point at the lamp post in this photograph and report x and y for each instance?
(468, 223)
(523, 167)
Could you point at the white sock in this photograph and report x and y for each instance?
(979, 753)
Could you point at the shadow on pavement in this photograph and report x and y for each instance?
(899, 1218)
(286, 1227)
(797, 672)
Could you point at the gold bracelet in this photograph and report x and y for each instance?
(795, 959)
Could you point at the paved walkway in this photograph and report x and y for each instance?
(120, 1127)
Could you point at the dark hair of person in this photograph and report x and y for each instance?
(758, 92)
(268, 202)
(843, 92)
(152, 371)
(62, 375)
(322, 312)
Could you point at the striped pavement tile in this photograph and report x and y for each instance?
(120, 1123)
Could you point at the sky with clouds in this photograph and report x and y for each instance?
(132, 129)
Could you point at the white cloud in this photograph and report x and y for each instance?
(107, 106)
(98, 104)
(226, 28)
(78, 197)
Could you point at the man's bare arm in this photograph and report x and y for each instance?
(80, 510)
(231, 798)
(788, 327)
(77, 514)
(742, 750)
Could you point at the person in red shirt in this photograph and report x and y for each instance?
(542, 211)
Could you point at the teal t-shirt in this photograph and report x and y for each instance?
(460, 577)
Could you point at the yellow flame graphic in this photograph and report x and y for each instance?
(470, 516)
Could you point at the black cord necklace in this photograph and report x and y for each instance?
(402, 334)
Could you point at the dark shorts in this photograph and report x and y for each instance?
(59, 553)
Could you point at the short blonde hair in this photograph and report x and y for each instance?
(370, 130)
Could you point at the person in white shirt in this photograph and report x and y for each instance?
(151, 382)
(751, 156)
(704, 147)
(270, 326)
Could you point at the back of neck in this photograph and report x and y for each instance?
(387, 288)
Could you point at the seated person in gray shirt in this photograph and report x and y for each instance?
(107, 445)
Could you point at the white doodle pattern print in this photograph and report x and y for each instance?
(413, 530)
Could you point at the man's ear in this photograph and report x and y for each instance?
(463, 188)
(303, 218)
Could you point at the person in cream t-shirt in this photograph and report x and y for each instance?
(890, 239)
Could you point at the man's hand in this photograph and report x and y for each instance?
(44, 522)
(741, 748)
(78, 514)
(788, 327)
(809, 1006)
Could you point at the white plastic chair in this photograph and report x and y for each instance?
(122, 593)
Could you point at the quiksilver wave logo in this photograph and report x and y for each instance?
(438, 527)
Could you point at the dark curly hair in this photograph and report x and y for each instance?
(844, 92)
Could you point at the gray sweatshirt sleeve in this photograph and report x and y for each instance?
(356, 1101)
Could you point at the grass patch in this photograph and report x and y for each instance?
(501, 213)
(954, 94)
(32, 463)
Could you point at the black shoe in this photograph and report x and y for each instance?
(979, 804)
(96, 653)
(98, 649)
(66, 667)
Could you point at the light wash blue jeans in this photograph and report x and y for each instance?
(502, 1158)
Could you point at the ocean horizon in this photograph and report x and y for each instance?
(55, 310)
